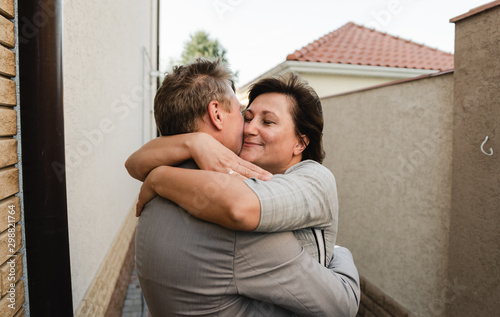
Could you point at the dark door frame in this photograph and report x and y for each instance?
(43, 161)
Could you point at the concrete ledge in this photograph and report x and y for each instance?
(100, 296)
(115, 306)
(374, 302)
(475, 11)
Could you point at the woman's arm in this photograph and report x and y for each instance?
(208, 153)
(215, 197)
(165, 150)
(305, 196)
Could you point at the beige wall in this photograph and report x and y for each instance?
(419, 200)
(104, 75)
(474, 265)
(327, 85)
(390, 150)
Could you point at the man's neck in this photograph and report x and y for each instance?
(209, 129)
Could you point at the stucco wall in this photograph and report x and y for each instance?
(390, 150)
(327, 85)
(103, 98)
(474, 264)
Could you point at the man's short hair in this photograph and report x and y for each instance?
(187, 90)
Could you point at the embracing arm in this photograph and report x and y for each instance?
(305, 196)
(207, 152)
(215, 197)
(165, 150)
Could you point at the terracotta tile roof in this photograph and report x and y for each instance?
(358, 45)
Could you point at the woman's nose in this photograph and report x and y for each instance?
(250, 128)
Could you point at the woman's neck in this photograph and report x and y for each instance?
(282, 169)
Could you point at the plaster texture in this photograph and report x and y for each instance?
(327, 85)
(104, 72)
(474, 265)
(390, 150)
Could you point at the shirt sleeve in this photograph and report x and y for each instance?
(304, 197)
(273, 268)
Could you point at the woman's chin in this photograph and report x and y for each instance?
(248, 155)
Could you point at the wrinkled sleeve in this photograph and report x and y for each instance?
(304, 197)
(273, 268)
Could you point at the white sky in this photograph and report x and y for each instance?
(259, 34)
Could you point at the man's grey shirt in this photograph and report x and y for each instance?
(188, 267)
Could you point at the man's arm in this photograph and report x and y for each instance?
(207, 152)
(274, 268)
(304, 198)
(215, 197)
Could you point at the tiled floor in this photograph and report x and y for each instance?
(134, 305)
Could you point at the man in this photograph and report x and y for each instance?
(190, 267)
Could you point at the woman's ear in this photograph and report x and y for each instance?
(214, 113)
(301, 145)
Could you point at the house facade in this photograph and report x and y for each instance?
(355, 57)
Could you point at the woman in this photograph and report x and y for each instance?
(283, 135)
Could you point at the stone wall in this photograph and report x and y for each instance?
(11, 260)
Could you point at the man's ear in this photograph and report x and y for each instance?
(215, 114)
(301, 145)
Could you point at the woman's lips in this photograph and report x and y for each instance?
(250, 144)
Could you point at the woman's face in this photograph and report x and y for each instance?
(269, 134)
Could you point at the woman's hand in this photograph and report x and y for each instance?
(145, 195)
(209, 154)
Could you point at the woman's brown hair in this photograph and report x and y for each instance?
(306, 112)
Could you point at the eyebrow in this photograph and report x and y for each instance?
(263, 112)
(268, 111)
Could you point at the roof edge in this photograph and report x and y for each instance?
(357, 70)
(341, 69)
(475, 11)
(392, 83)
(276, 70)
